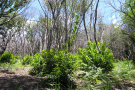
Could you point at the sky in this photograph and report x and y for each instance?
(108, 13)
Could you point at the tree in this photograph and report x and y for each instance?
(9, 30)
(63, 14)
(59, 20)
(128, 13)
(8, 9)
(128, 18)
(32, 32)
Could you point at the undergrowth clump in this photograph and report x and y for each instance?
(6, 57)
(58, 65)
(37, 59)
(27, 60)
(91, 56)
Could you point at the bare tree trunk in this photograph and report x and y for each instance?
(95, 27)
(66, 31)
(40, 47)
(102, 36)
(91, 22)
(84, 20)
(59, 39)
(23, 42)
(50, 38)
(45, 41)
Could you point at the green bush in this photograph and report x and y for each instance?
(91, 56)
(6, 57)
(58, 65)
(37, 70)
(37, 58)
(17, 57)
(47, 65)
(27, 60)
(38, 66)
(63, 68)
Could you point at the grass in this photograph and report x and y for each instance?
(124, 71)
(13, 66)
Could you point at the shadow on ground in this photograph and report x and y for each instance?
(12, 81)
(16, 82)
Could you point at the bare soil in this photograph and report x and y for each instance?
(20, 80)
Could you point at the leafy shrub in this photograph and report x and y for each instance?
(91, 56)
(37, 58)
(6, 57)
(27, 60)
(58, 65)
(48, 63)
(63, 68)
(17, 57)
(37, 70)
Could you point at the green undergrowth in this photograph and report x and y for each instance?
(13, 63)
(124, 70)
(122, 76)
(90, 56)
(59, 65)
(96, 70)
(6, 57)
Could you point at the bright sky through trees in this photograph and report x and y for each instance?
(108, 13)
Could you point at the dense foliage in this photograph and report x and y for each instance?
(128, 18)
(57, 64)
(128, 14)
(9, 6)
(91, 56)
(27, 60)
(6, 57)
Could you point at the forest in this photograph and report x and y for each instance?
(67, 45)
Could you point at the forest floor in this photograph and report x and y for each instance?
(19, 79)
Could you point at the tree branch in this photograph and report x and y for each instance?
(8, 19)
(122, 12)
